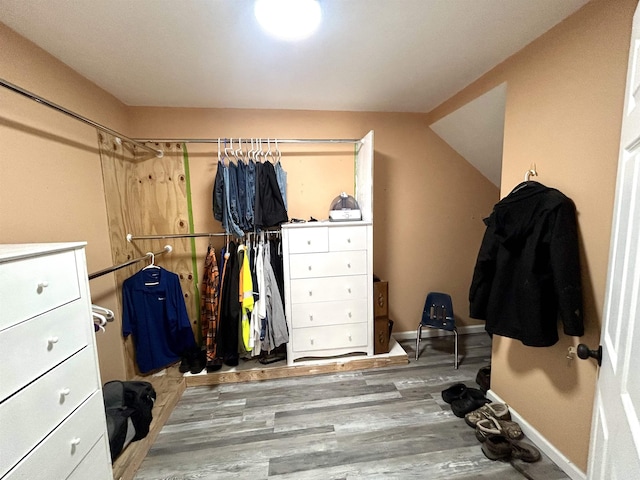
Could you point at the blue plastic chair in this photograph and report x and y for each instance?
(438, 313)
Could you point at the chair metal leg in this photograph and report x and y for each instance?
(455, 349)
(418, 335)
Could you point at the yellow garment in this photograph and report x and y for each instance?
(246, 293)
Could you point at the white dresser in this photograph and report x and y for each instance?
(52, 420)
(328, 275)
(328, 289)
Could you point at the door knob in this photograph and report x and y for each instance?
(584, 352)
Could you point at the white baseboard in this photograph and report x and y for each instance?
(434, 332)
(542, 443)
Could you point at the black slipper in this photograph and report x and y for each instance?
(472, 399)
(454, 392)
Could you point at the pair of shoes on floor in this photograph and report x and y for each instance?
(499, 447)
(499, 411)
(492, 426)
(463, 399)
(193, 360)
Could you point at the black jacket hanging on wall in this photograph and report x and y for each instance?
(528, 268)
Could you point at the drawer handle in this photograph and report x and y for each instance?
(348, 265)
(42, 285)
(64, 392)
(349, 290)
(348, 240)
(349, 314)
(75, 442)
(309, 267)
(311, 341)
(308, 242)
(311, 318)
(349, 337)
(310, 293)
(52, 340)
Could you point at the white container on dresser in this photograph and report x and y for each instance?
(52, 420)
(328, 271)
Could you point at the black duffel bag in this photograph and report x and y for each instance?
(128, 407)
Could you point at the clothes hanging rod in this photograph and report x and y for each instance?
(248, 140)
(166, 249)
(131, 237)
(44, 101)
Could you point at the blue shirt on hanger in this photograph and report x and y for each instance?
(155, 313)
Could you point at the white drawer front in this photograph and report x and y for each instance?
(28, 416)
(329, 289)
(36, 285)
(307, 240)
(93, 466)
(328, 313)
(67, 445)
(352, 335)
(347, 238)
(45, 341)
(311, 265)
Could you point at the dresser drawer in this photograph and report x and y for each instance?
(308, 240)
(37, 285)
(352, 335)
(45, 341)
(328, 289)
(29, 415)
(94, 466)
(66, 446)
(347, 238)
(328, 313)
(311, 265)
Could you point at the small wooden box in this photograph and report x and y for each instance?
(381, 325)
(380, 299)
(381, 333)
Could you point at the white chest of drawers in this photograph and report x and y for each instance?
(328, 289)
(51, 408)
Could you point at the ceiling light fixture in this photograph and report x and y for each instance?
(288, 19)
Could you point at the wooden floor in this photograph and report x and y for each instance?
(387, 423)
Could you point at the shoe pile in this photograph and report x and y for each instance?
(499, 435)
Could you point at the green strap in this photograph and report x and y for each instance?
(194, 262)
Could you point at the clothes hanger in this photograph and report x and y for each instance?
(278, 153)
(108, 314)
(102, 320)
(260, 152)
(153, 261)
(269, 153)
(239, 153)
(252, 153)
(228, 151)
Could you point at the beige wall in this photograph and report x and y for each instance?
(50, 175)
(428, 201)
(563, 113)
